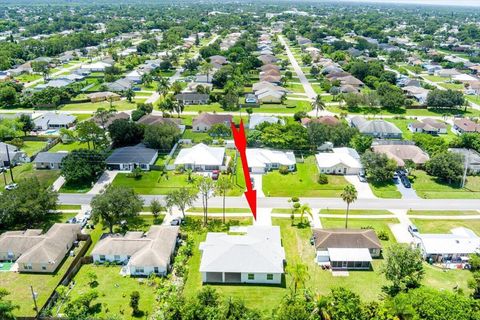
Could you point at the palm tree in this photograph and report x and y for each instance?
(299, 273)
(348, 195)
(205, 188)
(129, 94)
(305, 208)
(318, 104)
(147, 79)
(223, 185)
(206, 68)
(163, 86)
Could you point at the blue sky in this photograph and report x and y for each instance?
(441, 2)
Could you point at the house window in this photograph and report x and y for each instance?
(155, 269)
(117, 258)
(251, 276)
(140, 270)
(27, 266)
(102, 258)
(269, 276)
(44, 267)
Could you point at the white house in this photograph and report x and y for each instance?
(454, 247)
(263, 160)
(255, 257)
(201, 158)
(96, 66)
(340, 161)
(51, 120)
(256, 119)
(141, 253)
(134, 76)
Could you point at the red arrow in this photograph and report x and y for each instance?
(241, 144)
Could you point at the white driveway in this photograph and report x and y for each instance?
(407, 193)
(315, 219)
(363, 188)
(57, 184)
(258, 184)
(105, 179)
(400, 230)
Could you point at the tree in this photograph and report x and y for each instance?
(129, 94)
(104, 115)
(206, 68)
(176, 87)
(161, 136)
(403, 266)
(125, 133)
(299, 273)
(304, 209)
(205, 186)
(361, 143)
(82, 166)
(378, 166)
(134, 301)
(92, 278)
(81, 307)
(163, 86)
(7, 308)
(341, 303)
(446, 166)
(349, 195)
(219, 130)
(318, 104)
(445, 99)
(181, 198)
(167, 104)
(156, 207)
(178, 107)
(26, 123)
(223, 185)
(89, 132)
(147, 79)
(115, 204)
(30, 203)
(391, 96)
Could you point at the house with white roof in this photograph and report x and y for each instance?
(201, 158)
(254, 257)
(51, 120)
(339, 161)
(264, 160)
(454, 247)
(96, 66)
(256, 119)
(134, 76)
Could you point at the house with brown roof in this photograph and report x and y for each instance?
(141, 253)
(346, 248)
(105, 122)
(151, 119)
(465, 125)
(205, 121)
(103, 96)
(34, 251)
(269, 66)
(267, 58)
(428, 125)
(402, 152)
(221, 60)
(326, 120)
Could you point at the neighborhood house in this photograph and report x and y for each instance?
(205, 121)
(255, 257)
(264, 160)
(201, 158)
(340, 161)
(52, 120)
(49, 160)
(376, 128)
(128, 158)
(403, 152)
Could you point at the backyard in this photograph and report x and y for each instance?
(302, 182)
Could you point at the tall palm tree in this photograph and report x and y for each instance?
(223, 185)
(318, 104)
(163, 86)
(305, 208)
(349, 195)
(206, 68)
(299, 273)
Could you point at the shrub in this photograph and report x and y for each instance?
(283, 169)
(383, 235)
(322, 178)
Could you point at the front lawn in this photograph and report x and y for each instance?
(445, 226)
(75, 188)
(385, 190)
(154, 182)
(121, 105)
(26, 171)
(114, 292)
(356, 212)
(429, 187)
(442, 213)
(302, 182)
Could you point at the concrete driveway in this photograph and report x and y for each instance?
(407, 193)
(400, 231)
(258, 184)
(363, 188)
(106, 178)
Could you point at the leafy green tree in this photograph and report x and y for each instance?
(82, 166)
(223, 185)
(361, 143)
(181, 198)
(125, 133)
(445, 99)
(129, 94)
(89, 132)
(349, 195)
(318, 104)
(341, 303)
(162, 136)
(446, 166)
(134, 301)
(81, 308)
(104, 115)
(298, 272)
(163, 86)
(219, 130)
(115, 204)
(156, 207)
(206, 187)
(7, 307)
(403, 266)
(26, 123)
(378, 167)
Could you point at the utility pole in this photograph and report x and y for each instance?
(467, 162)
(34, 297)
(9, 163)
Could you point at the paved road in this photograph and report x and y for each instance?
(331, 203)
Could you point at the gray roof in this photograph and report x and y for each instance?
(191, 96)
(258, 251)
(374, 126)
(134, 154)
(346, 238)
(51, 157)
(51, 118)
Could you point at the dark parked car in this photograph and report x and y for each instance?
(406, 182)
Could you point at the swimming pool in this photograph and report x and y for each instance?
(5, 266)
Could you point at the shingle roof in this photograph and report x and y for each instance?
(211, 119)
(50, 157)
(375, 126)
(150, 119)
(134, 154)
(346, 238)
(401, 153)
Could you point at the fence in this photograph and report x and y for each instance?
(68, 276)
(49, 145)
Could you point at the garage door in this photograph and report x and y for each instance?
(233, 277)
(214, 277)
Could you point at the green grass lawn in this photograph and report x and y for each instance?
(220, 210)
(28, 77)
(444, 226)
(69, 207)
(404, 112)
(435, 78)
(26, 171)
(474, 99)
(69, 146)
(429, 187)
(114, 291)
(33, 147)
(82, 116)
(302, 182)
(121, 105)
(402, 124)
(75, 188)
(355, 212)
(453, 86)
(153, 182)
(18, 284)
(385, 190)
(442, 212)
(205, 107)
(295, 87)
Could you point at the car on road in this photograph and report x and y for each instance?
(11, 186)
(412, 229)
